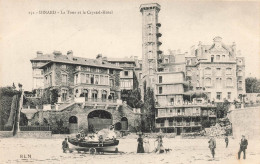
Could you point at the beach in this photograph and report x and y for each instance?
(29, 150)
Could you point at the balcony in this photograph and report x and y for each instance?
(97, 101)
(158, 24)
(158, 34)
(159, 52)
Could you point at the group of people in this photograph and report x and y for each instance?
(144, 144)
(242, 148)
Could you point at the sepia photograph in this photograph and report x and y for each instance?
(133, 81)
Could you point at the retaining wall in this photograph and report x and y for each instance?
(245, 121)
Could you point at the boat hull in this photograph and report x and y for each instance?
(108, 146)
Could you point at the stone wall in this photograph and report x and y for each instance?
(34, 134)
(82, 115)
(245, 121)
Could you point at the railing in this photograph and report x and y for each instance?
(6, 128)
(35, 128)
(83, 99)
(161, 124)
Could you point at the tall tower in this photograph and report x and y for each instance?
(150, 44)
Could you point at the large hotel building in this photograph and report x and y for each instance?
(186, 86)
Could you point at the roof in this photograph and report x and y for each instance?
(120, 60)
(76, 61)
(46, 57)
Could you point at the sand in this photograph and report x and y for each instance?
(14, 150)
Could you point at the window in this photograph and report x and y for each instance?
(160, 79)
(218, 72)
(223, 56)
(76, 79)
(64, 78)
(240, 84)
(110, 71)
(63, 66)
(91, 79)
(160, 90)
(229, 96)
(94, 94)
(208, 82)
(104, 94)
(229, 82)
(218, 57)
(166, 60)
(140, 75)
(111, 82)
(97, 79)
(207, 71)
(64, 94)
(126, 73)
(218, 82)
(87, 79)
(219, 96)
(229, 71)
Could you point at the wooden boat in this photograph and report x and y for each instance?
(93, 146)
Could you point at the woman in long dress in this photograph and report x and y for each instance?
(140, 147)
(160, 148)
(146, 144)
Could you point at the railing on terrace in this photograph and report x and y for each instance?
(101, 100)
(35, 128)
(6, 128)
(83, 99)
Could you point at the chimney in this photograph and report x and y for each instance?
(56, 53)
(99, 58)
(39, 53)
(234, 47)
(70, 54)
(192, 50)
(104, 59)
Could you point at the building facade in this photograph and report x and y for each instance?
(128, 78)
(178, 109)
(218, 70)
(80, 77)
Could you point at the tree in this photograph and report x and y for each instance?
(222, 108)
(135, 99)
(149, 109)
(6, 99)
(252, 85)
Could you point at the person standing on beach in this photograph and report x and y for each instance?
(140, 147)
(65, 145)
(212, 145)
(243, 147)
(226, 140)
(146, 144)
(160, 148)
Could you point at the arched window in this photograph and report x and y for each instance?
(229, 82)
(229, 71)
(104, 94)
(207, 71)
(94, 94)
(208, 82)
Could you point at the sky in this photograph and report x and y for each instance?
(119, 34)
